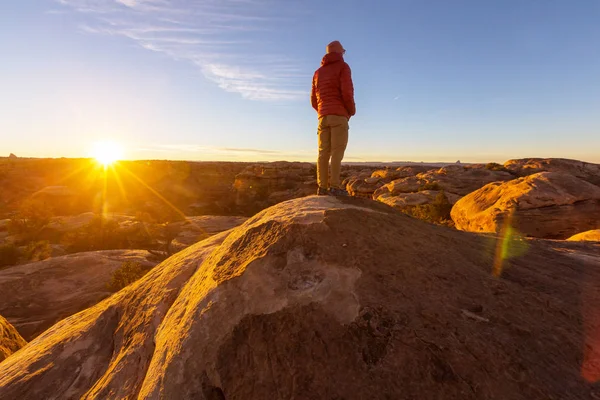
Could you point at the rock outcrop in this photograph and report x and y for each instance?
(583, 170)
(330, 298)
(545, 205)
(405, 200)
(262, 185)
(37, 295)
(360, 185)
(591, 236)
(455, 180)
(10, 340)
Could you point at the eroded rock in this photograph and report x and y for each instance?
(547, 205)
(330, 298)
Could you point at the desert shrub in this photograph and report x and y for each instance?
(126, 274)
(495, 167)
(29, 220)
(9, 255)
(430, 186)
(436, 212)
(37, 251)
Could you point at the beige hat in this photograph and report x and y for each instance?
(335, 47)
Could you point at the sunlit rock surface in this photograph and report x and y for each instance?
(330, 298)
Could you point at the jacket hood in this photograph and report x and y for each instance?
(332, 58)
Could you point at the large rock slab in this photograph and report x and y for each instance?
(327, 298)
(10, 340)
(37, 295)
(527, 166)
(546, 205)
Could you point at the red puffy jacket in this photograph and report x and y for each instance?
(332, 89)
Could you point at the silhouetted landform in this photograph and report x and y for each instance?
(334, 298)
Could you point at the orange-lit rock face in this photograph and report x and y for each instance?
(546, 204)
(10, 339)
(346, 298)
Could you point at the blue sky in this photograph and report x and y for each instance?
(435, 80)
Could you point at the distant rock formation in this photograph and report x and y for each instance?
(364, 186)
(455, 180)
(10, 340)
(583, 170)
(262, 185)
(546, 205)
(331, 298)
(12, 156)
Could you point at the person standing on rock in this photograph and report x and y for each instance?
(333, 98)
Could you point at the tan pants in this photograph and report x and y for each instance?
(333, 139)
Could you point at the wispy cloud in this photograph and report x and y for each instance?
(255, 151)
(192, 148)
(226, 39)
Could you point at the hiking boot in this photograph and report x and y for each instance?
(322, 191)
(338, 192)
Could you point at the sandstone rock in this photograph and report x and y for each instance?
(547, 205)
(330, 298)
(194, 229)
(70, 223)
(10, 340)
(462, 180)
(587, 171)
(12, 156)
(405, 200)
(404, 185)
(254, 186)
(213, 224)
(363, 187)
(456, 180)
(592, 235)
(389, 174)
(36, 295)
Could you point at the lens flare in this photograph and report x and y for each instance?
(510, 244)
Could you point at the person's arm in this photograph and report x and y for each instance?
(313, 96)
(347, 90)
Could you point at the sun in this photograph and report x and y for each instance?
(107, 152)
